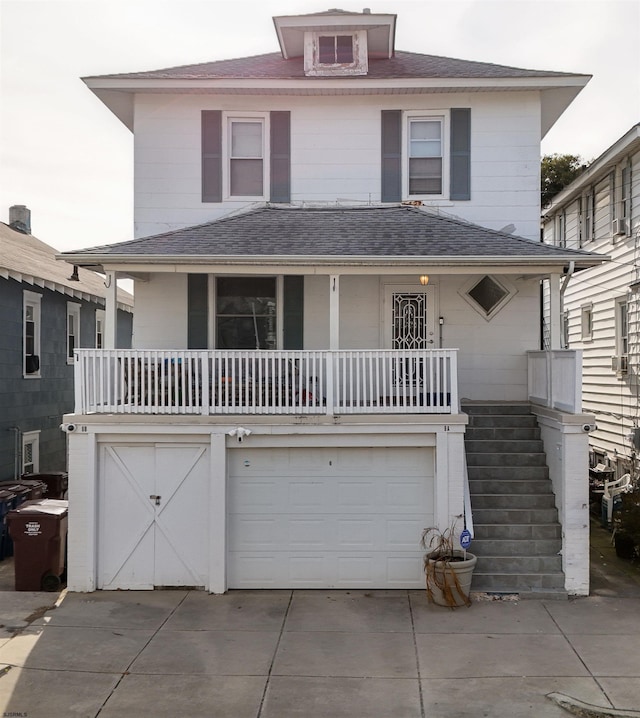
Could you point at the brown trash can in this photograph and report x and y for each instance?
(57, 483)
(39, 533)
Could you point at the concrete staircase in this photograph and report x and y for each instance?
(517, 533)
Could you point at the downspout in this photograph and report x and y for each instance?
(563, 289)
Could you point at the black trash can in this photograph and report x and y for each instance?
(57, 483)
(38, 530)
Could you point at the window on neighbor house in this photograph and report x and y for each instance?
(580, 227)
(625, 194)
(426, 151)
(99, 328)
(73, 329)
(246, 157)
(31, 452)
(586, 316)
(565, 329)
(31, 334)
(561, 230)
(335, 49)
(622, 327)
(246, 313)
(589, 224)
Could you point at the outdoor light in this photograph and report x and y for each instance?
(424, 279)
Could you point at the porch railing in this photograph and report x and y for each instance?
(266, 382)
(555, 379)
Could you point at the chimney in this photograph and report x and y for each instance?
(20, 218)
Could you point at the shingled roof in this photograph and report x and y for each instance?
(336, 233)
(404, 65)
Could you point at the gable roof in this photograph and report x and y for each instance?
(334, 235)
(25, 258)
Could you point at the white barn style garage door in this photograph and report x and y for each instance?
(328, 517)
(153, 518)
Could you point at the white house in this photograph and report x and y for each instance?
(600, 211)
(337, 245)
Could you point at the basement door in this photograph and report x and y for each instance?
(153, 516)
(325, 517)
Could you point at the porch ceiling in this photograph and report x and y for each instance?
(383, 239)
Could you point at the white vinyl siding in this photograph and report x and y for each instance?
(335, 154)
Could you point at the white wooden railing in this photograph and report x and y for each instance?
(119, 381)
(555, 379)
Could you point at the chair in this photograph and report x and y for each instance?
(612, 489)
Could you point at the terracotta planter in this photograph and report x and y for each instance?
(449, 582)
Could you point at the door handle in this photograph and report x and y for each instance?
(155, 498)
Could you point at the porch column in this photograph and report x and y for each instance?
(554, 312)
(334, 311)
(111, 311)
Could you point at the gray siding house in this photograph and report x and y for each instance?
(46, 311)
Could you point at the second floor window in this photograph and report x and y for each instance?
(425, 156)
(31, 334)
(246, 158)
(622, 327)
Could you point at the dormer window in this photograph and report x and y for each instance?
(328, 55)
(335, 49)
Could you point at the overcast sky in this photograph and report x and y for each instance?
(65, 156)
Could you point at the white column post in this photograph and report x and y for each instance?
(218, 515)
(111, 311)
(334, 311)
(554, 311)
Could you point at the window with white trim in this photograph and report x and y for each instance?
(586, 322)
(73, 329)
(625, 194)
(246, 156)
(100, 316)
(335, 53)
(589, 222)
(426, 152)
(622, 327)
(561, 229)
(31, 452)
(31, 334)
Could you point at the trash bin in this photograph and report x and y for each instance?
(57, 483)
(39, 533)
(7, 502)
(37, 488)
(21, 494)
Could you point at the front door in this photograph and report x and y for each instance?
(409, 317)
(153, 524)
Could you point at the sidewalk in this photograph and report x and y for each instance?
(321, 654)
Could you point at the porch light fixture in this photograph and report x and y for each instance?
(424, 279)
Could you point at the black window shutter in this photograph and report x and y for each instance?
(211, 156)
(460, 153)
(391, 189)
(293, 313)
(280, 156)
(198, 311)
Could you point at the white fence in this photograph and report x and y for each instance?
(555, 379)
(119, 381)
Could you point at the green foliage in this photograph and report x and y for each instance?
(556, 172)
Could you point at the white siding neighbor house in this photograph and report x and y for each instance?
(336, 271)
(600, 211)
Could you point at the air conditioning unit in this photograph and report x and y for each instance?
(620, 364)
(619, 227)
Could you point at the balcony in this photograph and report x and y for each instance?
(183, 382)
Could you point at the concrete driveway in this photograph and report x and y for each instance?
(317, 654)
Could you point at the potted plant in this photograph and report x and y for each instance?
(448, 569)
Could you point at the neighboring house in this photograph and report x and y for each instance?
(290, 415)
(47, 310)
(600, 211)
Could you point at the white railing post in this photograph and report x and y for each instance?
(331, 359)
(78, 383)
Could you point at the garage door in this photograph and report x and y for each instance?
(322, 518)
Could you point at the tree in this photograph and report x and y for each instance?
(557, 171)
